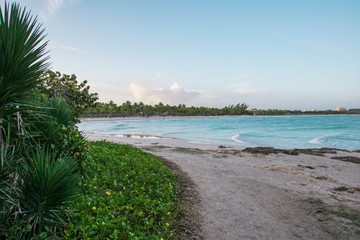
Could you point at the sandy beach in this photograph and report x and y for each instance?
(238, 194)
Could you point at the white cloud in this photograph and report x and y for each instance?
(109, 92)
(175, 94)
(245, 88)
(69, 48)
(242, 76)
(53, 5)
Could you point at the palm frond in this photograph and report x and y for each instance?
(47, 185)
(23, 57)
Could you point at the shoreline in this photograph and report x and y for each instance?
(155, 118)
(152, 139)
(254, 195)
(98, 119)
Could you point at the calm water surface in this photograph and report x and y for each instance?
(339, 131)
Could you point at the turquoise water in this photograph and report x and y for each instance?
(339, 131)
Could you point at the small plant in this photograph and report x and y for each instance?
(189, 150)
(316, 200)
(341, 189)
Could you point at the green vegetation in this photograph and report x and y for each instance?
(189, 150)
(77, 95)
(154, 148)
(303, 112)
(316, 201)
(341, 189)
(40, 147)
(51, 186)
(350, 215)
(128, 109)
(125, 194)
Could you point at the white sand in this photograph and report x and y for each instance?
(256, 196)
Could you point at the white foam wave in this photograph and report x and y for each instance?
(235, 138)
(316, 141)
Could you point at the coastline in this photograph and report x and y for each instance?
(156, 118)
(239, 131)
(195, 117)
(257, 195)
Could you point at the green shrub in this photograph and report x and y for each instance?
(44, 186)
(125, 194)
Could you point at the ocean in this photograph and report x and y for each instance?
(286, 132)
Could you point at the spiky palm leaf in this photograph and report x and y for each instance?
(22, 60)
(22, 54)
(47, 184)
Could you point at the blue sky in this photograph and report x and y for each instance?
(280, 54)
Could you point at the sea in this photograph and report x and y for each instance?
(285, 132)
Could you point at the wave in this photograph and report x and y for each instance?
(236, 137)
(317, 141)
(336, 141)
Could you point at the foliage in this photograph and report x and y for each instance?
(125, 194)
(22, 56)
(22, 61)
(77, 95)
(129, 109)
(52, 124)
(34, 185)
(47, 183)
(141, 109)
(73, 143)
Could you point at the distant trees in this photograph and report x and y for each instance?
(128, 109)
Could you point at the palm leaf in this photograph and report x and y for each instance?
(22, 54)
(47, 185)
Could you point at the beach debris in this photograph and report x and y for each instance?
(310, 151)
(270, 150)
(341, 189)
(189, 150)
(310, 167)
(351, 159)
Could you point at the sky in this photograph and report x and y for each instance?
(269, 54)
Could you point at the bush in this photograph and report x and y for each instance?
(44, 185)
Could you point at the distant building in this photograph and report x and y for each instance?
(340, 109)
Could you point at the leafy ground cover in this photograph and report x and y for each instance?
(125, 194)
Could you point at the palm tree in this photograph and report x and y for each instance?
(34, 183)
(22, 60)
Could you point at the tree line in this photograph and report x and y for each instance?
(128, 109)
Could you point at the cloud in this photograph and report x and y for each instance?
(53, 5)
(245, 88)
(173, 95)
(242, 76)
(112, 92)
(69, 48)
